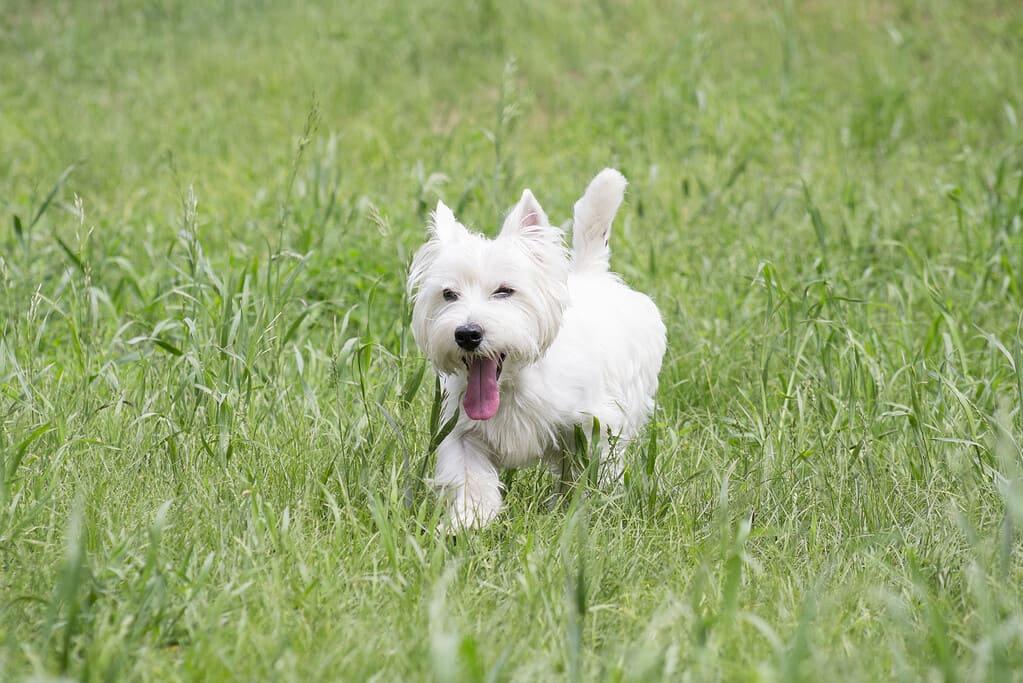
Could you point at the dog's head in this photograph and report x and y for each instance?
(486, 308)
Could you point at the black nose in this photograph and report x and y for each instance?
(469, 336)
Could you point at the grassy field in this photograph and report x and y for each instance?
(214, 424)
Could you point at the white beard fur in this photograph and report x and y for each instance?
(576, 343)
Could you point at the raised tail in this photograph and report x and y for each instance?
(591, 225)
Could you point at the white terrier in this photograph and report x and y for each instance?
(532, 342)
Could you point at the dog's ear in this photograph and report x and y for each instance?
(444, 226)
(526, 219)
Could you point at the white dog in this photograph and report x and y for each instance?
(531, 341)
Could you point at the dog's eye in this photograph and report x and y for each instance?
(450, 295)
(503, 292)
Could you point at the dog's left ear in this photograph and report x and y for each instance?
(526, 219)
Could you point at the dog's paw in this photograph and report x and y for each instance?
(465, 514)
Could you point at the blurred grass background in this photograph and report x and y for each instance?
(214, 422)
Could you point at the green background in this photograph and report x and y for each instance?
(214, 422)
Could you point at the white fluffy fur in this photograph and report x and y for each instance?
(576, 342)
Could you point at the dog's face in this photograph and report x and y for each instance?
(486, 308)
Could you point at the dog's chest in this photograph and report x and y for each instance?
(521, 432)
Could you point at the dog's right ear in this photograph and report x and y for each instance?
(444, 226)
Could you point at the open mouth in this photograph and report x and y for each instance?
(467, 361)
(482, 397)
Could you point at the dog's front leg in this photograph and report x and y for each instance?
(468, 479)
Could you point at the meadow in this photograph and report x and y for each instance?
(215, 425)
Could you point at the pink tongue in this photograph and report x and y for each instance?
(481, 397)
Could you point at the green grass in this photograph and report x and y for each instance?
(214, 423)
